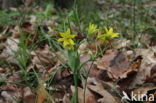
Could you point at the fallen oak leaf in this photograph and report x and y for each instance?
(148, 61)
(116, 64)
(106, 91)
(106, 96)
(125, 83)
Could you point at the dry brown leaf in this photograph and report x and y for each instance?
(11, 91)
(152, 78)
(66, 99)
(117, 64)
(83, 47)
(63, 78)
(43, 59)
(148, 62)
(10, 86)
(89, 97)
(9, 53)
(28, 95)
(8, 97)
(98, 88)
(91, 67)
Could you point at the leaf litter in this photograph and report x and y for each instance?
(120, 70)
(108, 76)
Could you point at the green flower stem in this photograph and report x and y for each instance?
(74, 64)
(76, 86)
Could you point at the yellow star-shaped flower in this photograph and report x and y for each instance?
(92, 29)
(109, 34)
(67, 39)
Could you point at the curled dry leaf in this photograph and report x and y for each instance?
(98, 88)
(83, 47)
(117, 64)
(43, 58)
(148, 62)
(91, 68)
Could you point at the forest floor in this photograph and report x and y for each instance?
(105, 49)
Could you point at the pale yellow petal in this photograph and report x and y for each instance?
(114, 35)
(63, 34)
(106, 29)
(72, 36)
(110, 30)
(60, 39)
(65, 43)
(71, 42)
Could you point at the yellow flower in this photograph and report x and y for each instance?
(67, 39)
(92, 29)
(109, 34)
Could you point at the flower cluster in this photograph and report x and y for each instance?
(68, 39)
(108, 32)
